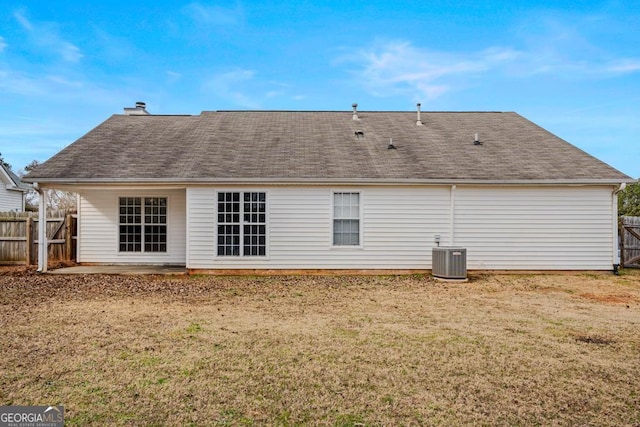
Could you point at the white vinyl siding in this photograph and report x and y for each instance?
(398, 227)
(10, 200)
(544, 228)
(201, 227)
(99, 228)
(502, 227)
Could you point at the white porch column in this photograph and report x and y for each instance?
(614, 225)
(42, 232)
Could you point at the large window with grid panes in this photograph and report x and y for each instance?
(242, 223)
(142, 224)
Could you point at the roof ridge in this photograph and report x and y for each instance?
(158, 115)
(350, 112)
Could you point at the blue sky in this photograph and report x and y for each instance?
(571, 67)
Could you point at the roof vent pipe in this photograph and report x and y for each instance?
(355, 111)
(418, 122)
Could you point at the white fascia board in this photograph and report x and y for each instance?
(14, 188)
(57, 182)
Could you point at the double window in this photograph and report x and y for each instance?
(143, 224)
(346, 219)
(242, 224)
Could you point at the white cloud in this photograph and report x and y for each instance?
(112, 47)
(273, 94)
(51, 86)
(244, 88)
(173, 76)
(497, 54)
(229, 85)
(399, 67)
(69, 52)
(18, 83)
(54, 88)
(3, 44)
(624, 66)
(46, 36)
(570, 45)
(22, 20)
(213, 15)
(62, 81)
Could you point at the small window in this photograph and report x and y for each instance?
(143, 231)
(346, 219)
(242, 224)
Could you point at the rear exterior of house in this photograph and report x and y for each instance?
(390, 227)
(337, 191)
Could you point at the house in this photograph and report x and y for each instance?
(309, 190)
(12, 191)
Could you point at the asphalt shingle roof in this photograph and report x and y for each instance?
(17, 182)
(314, 146)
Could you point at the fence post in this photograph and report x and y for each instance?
(622, 236)
(29, 240)
(67, 238)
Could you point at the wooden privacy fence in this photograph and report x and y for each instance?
(630, 241)
(19, 237)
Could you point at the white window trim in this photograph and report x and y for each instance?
(267, 241)
(142, 253)
(360, 220)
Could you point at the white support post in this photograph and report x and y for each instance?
(614, 226)
(42, 232)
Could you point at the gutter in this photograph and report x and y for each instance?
(20, 189)
(331, 181)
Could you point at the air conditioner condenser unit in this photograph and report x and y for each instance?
(449, 262)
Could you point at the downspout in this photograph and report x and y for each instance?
(452, 210)
(42, 229)
(614, 211)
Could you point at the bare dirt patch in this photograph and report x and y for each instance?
(202, 350)
(611, 298)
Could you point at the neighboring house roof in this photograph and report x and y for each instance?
(315, 146)
(14, 182)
